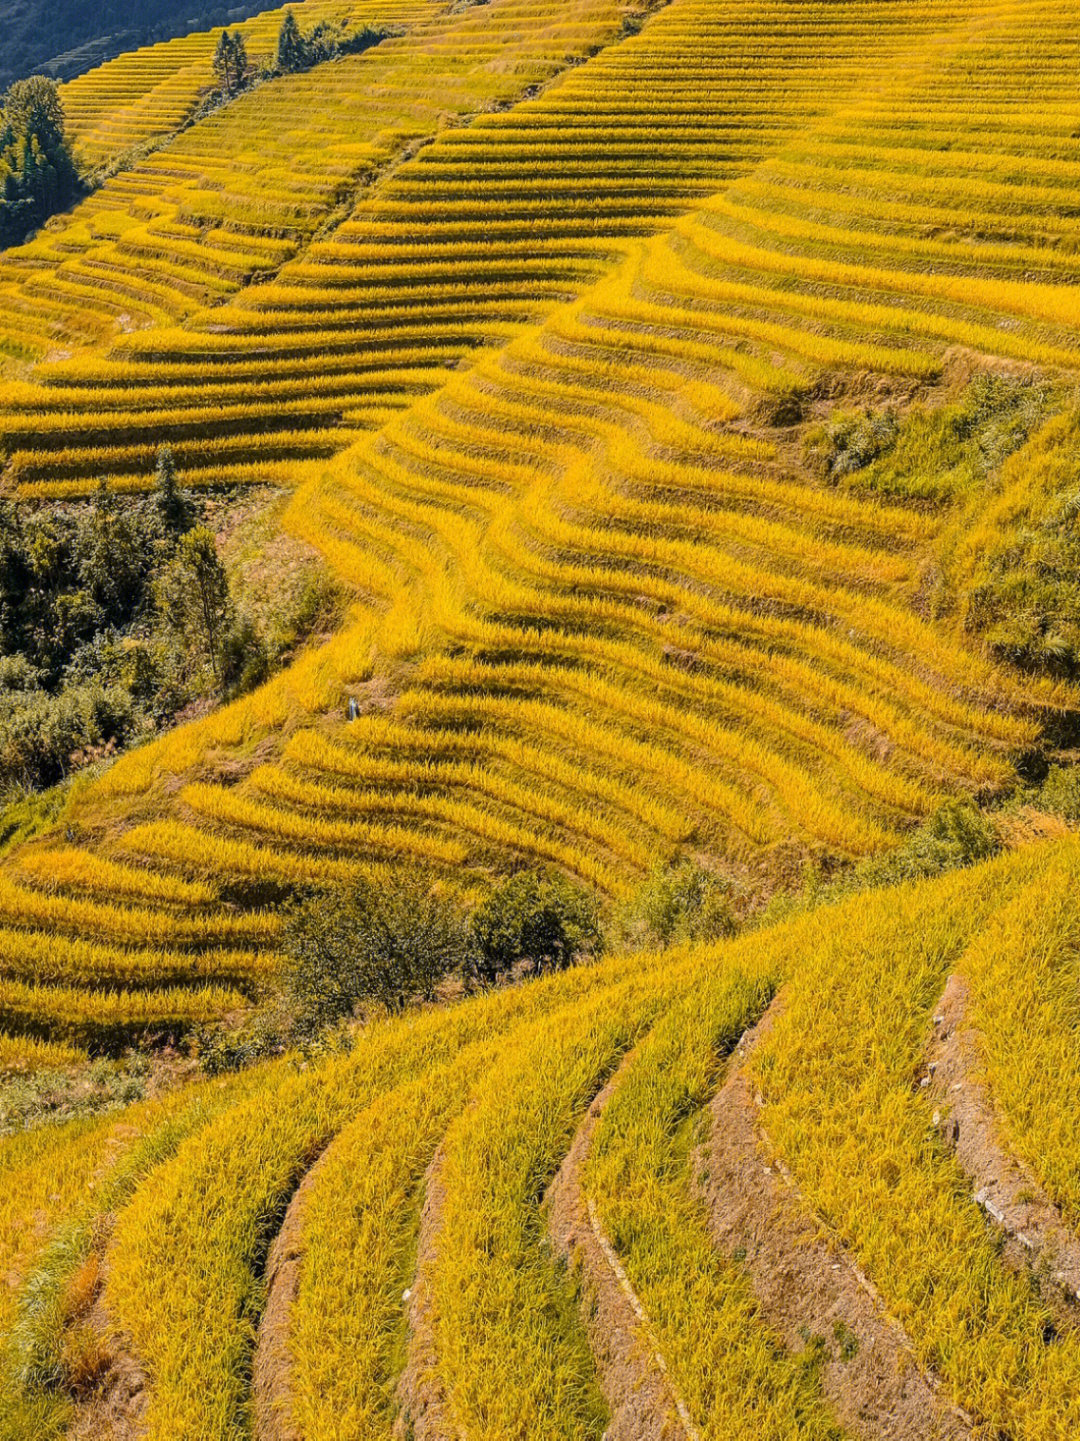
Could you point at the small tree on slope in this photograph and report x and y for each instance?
(292, 52)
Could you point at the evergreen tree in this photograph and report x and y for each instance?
(111, 559)
(193, 596)
(241, 65)
(172, 506)
(37, 174)
(292, 51)
(231, 63)
(222, 57)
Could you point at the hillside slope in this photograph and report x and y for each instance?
(695, 442)
(64, 38)
(671, 1205)
(608, 610)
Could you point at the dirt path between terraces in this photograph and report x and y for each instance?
(633, 1376)
(423, 1406)
(271, 1379)
(425, 1412)
(110, 1396)
(806, 1284)
(1037, 1239)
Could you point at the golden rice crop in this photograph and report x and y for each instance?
(732, 1374)
(229, 1185)
(86, 1017)
(1021, 972)
(550, 376)
(896, 1202)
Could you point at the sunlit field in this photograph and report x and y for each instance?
(682, 397)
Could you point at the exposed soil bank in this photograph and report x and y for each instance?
(632, 1373)
(807, 1286)
(1037, 1238)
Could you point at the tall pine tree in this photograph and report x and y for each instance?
(231, 65)
(292, 51)
(37, 173)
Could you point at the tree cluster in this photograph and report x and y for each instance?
(398, 940)
(232, 69)
(113, 615)
(37, 173)
(326, 41)
(296, 51)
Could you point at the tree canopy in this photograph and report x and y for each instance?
(326, 41)
(37, 173)
(231, 65)
(291, 50)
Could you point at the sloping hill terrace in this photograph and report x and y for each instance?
(447, 251)
(640, 403)
(417, 1167)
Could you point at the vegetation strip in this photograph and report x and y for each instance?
(1039, 1240)
(633, 1373)
(810, 1290)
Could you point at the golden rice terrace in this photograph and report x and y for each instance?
(681, 401)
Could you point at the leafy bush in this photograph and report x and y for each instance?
(115, 614)
(1059, 793)
(850, 441)
(260, 1037)
(957, 834)
(683, 902)
(932, 455)
(383, 943)
(540, 920)
(80, 668)
(43, 736)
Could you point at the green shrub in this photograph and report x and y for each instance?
(1059, 793)
(382, 942)
(537, 919)
(957, 834)
(932, 455)
(683, 902)
(850, 441)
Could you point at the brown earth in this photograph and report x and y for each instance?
(104, 1377)
(809, 1289)
(1037, 1239)
(272, 1364)
(632, 1372)
(425, 1412)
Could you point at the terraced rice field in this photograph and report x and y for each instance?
(487, 226)
(605, 611)
(142, 98)
(236, 196)
(539, 311)
(451, 1157)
